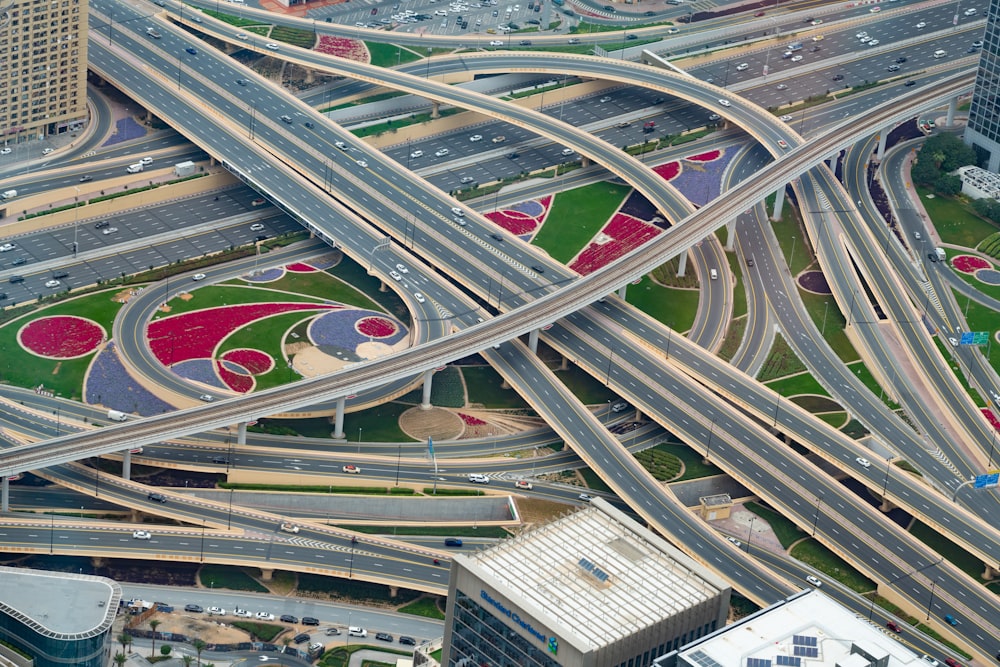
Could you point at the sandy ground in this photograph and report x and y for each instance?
(197, 625)
(436, 423)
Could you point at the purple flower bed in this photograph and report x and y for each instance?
(327, 261)
(265, 276)
(988, 276)
(815, 281)
(338, 329)
(199, 370)
(637, 206)
(127, 129)
(701, 182)
(109, 384)
(530, 207)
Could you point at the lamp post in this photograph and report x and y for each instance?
(97, 477)
(750, 532)
(230, 523)
(931, 600)
(76, 218)
(399, 453)
(819, 501)
(708, 447)
(885, 482)
(359, 439)
(202, 557)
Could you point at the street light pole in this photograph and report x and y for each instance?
(931, 600)
(750, 532)
(359, 439)
(399, 453)
(819, 501)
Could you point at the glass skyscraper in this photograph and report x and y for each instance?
(983, 130)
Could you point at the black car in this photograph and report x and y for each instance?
(19, 261)
(909, 83)
(301, 638)
(15, 279)
(537, 269)
(631, 36)
(407, 641)
(288, 618)
(513, 156)
(838, 77)
(384, 636)
(260, 237)
(496, 237)
(160, 498)
(309, 620)
(609, 8)
(224, 460)
(102, 224)
(193, 608)
(241, 82)
(647, 13)
(901, 59)
(57, 275)
(309, 124)
(931, 256)
(525, 42)
(3, 296)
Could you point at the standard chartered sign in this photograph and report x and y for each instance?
(514, 616)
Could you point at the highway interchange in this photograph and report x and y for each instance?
(583, 335)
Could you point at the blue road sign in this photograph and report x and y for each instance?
(966, 338)
(986, 481)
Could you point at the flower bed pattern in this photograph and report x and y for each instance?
(668, 171)
(265, 276)
(342, 47)
(300, 267)
(199, 370)
(235, 381)
(61, 336)
(620, 236)
(327, 261)
(109, 384)
(195, 335)
(254, 361)
(469, 420)
(523, 217)
(339, 330)
(969, 263)
(376, 327)
(991, 418)
(705, 157)
(700, 180)
(988, 276)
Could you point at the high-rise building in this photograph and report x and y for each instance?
(56, 618)
(43, 67)
(590, 589)
(983, 130)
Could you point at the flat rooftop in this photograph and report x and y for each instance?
(59, 604)
(807, 630)
(596, 574)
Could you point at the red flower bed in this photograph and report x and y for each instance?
(299, 267)
(991, 418)
(254, 361)
(342, 47)
(514, 222)
(469, 420)
(61, 337)
(969, 263)
(235, 381)
(376, 327)
(668, 170)
(195, 335)
(705, 157)
(627, 234)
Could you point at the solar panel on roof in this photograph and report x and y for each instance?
(758, 662)
(789, 660)
(805, 640)
(703, 659)
(807, 651)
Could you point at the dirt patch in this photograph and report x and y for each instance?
(535, 510)
(193, 625)
(435, 423)
(310, 361)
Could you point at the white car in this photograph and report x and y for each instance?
(46, 151)
(216, 611)
(109, 230)
(781, 86)
(5, 150)
(606, 98)
(817, 21)
(861, 34)
(7, 246)
(419, 297)
(585, 497)
(742, 67)
(351, 469)
(242, 613)
(863, 462)
(395, 276)
(814, 582)
(467, 179)
(361, 163)
(783, 144)
(208, 398)
(953, 341)
(264, 616)
(865, 39)
(52, 283)
(873, 42)
(970, 12)
(734, 541)
(416, 154)
(725, 103)
(496, 42)
(459, 221)
(402, 268)
(785, 118)
(921, 25)
(476, 137)
(256, 227)
(796, 59)
(243, 36)
(568, 151)
(198, 276)
(457, 211)
(441, 152)
(141, 535)
(271, 46)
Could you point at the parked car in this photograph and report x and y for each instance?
(216, 611)
(301, 638)
(288, 618)
(264, 616)
(193, 608)
(242, 613)
(309, 620)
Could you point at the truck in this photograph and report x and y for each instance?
(8, 194)
(182, 169)
(139, 606)
(117, 415)
(152, 32)
(134, 168)
(940, 254)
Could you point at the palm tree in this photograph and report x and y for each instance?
(153, 624)
(124, 639)
(199, 646)
(187, 660)
(120, 659)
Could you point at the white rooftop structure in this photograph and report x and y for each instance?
(598, 575)
(807, 630)
(58, 604)
(979, 183)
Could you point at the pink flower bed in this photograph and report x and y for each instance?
(195, 335)
(969, 263)
(514, 222)
(254, 361)
(235, 381)
(704, 157)
(627, 233)
(376, 327)
(669, 170)
(61, 337)
(469, 420)
(299, 267)
(342, 47)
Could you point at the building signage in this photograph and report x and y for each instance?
(514, 616)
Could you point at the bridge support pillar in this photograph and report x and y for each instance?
(565, 363)
(779, 202)
(5, 495)
(533, 341)
(682, 264)
(886, 506)
(266, 574)
(435, 109)
(338, 420)
(731, 235)
(425, 403)
(127, 465)
(393, 591)
(990, 573)
(883, 137)
(832, 162)
(241, 433)
(952, 108)
(585, 161)
(622, 291)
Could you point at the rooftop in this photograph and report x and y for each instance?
(595, 574)
(809, 629)
(58, 604)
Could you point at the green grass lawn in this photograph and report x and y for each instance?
(781, 361)
(379, 424)
(576, 216)
(959, 557)
(816, 555)
(426, 606)
(226, 576)
(483, 386)
(585, 386)
(390, 55)
(694, 466)
(953, 220)
(675, 308)
(800, 383)
(981, 318)
(786, 531)
(827, 317)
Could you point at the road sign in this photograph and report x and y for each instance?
(975, 338)
(987, 481)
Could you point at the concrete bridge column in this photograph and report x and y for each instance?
(435, 109)
(730, 235)
(952, 108)
(622, 291)
(886, 506)
(883, 136)
(990, 573)
(127, 465)
(533, 341)
(425, 404)
(338, 421)
(779, 202)
(393, 591)
(266, 574)
(565, 363)
(241, 433)
(832, 162)
(682, 264)
(382, 287)
(5, 495)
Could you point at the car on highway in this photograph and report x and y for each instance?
(922, 24)
(193, 608)
(785, 118)
(894, 626)
(978, 44)
(289, 528)
(892, 68)
(19, 261)
(271, 46)
(242, 613)
(742, 67)
(52, 284)
(796, 59)
(256, 227)
(714, 117)
(724, 102)
(5, 150)
(109, 230)
(478, 478)
(970, 12)
(407, 640)
(466, 179)
(568, 151)
(361, 163)
(499, 139)
(873, 42)
(606, 98)
(46, 151)
(863, 462)
(573, 40)
(86, 179)
(332, 632)
(156, 497)
(416, 154)
(953, 341)
(441, 152)
(288, 618)
(838, 77)
(402, 268)
(951, 662)
(395, 276)
(901, 59)
(419, 297)
(585, 497)
(476, 137)
(351, 469)
(7, 247)
(814, 582)
(264, 616)
(929, 660)
(198, 276)
(453, 541)
(141, 535)
(496, 42)
(496, 237)
(537, 269)
(782, 144)
(781, 86)
(208, 398)
(384, 637)
(242, 36)
(816, 22)
(734, 541)
(191, 50)
(216, 611)
(523, 484)
(817, 38)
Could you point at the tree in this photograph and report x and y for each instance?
(165, 650)
(124, 639)
(199, 646)
(187, 660)
(153, 624)
(120, 659)
(948, 185)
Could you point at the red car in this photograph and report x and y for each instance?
(951, 662)
(894, 626)
(759, 14)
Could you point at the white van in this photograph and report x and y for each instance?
(940, 53)
(355, 631)
(477, 478)
(117, 415)
(713, 274)
(134, 168)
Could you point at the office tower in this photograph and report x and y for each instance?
(983, 130)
